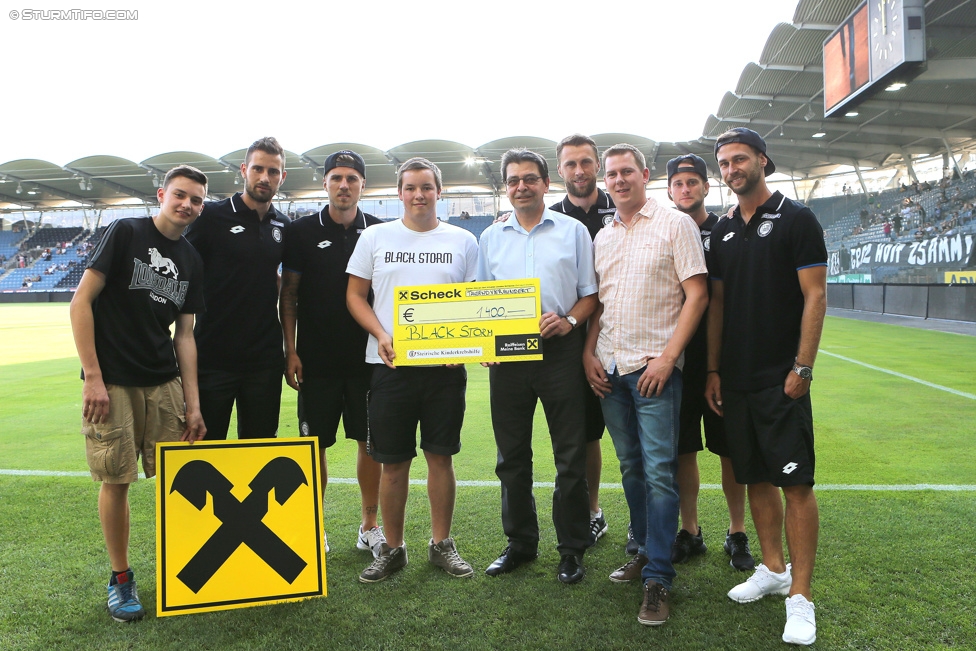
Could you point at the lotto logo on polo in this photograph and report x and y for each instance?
(237, 229)
(238, 523)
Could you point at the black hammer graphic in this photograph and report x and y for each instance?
(241, 521)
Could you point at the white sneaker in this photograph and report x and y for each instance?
(371, 539)
(762, 583)
(801, 624)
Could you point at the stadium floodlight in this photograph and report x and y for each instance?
(237, 179)
(20, 189)
(81, 183)
(819, 134)
(895, 87)
(315, 175)
(89, 186)
(851, 114)
(809, 114)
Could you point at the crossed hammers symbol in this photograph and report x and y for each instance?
(241, 521)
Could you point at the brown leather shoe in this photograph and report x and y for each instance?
(655, 609)
(631, 570)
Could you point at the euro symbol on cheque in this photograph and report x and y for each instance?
(241, 521)
(408, 315)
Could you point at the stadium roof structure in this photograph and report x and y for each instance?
(780, 96)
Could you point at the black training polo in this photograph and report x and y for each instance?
(329, 339)
(763, 305)
(599, 215)
(696, 359)
(240, 330)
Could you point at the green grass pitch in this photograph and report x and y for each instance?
(894, 568)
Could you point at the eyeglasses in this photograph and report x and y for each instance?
(531, 179)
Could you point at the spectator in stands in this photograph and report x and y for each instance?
(762, 374)
(897, 223)
(326, 364)
(241, 353)
(140, 382)
(887, 231)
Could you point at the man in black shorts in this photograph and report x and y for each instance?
(578, 167)
(769, 287)
(326, 366)
(687, 188)
(416, 250)
(241, 357)
(140, 382)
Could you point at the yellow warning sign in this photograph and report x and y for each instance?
(490, 321)
(238, 523)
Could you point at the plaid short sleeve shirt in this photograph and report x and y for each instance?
(640, 268)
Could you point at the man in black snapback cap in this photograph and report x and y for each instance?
(687, 188)
(326, 365)
(768, 266)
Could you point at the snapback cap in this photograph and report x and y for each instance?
(746, 137)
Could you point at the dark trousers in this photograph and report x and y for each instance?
(557, 382)
(258, 397)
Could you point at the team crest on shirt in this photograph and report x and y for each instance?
(707, 243)
(765, 228)
(276, 234)
(324, 244)
(607, 218)
(304, 428)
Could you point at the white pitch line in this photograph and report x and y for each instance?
(549, 484)
(901, 375)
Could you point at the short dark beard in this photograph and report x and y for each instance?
(590, 187)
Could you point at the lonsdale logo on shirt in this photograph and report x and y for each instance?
(143, 277)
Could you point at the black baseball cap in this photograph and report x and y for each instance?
(351, 159)
(688, 163)
(746, 137)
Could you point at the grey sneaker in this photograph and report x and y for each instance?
(371, 539)
(387, 562)
(445, 556)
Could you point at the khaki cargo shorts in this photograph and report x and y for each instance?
(138, 418)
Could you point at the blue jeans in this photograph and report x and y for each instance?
(645, 437)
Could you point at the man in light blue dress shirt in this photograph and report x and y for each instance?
(556, 249)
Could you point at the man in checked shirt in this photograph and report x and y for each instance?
(653, 292)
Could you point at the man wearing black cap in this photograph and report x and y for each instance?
(687, 188)
(768, 264)
(327, 366)
(239, 336)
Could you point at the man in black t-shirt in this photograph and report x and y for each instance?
(768, 264)
(140, 383)
(687, 188)
(241, 242)
(579, 165)
(327, 365)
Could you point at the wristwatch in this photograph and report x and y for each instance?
(572, 320)
(805, 372)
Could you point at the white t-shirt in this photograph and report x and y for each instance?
(391, 255)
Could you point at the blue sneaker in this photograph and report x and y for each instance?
(123, 600)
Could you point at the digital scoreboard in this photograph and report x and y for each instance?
(879, 43)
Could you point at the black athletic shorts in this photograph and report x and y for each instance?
(322, 401)
(695, 412)
(400, 398)
(770, 436)
(595, 427)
